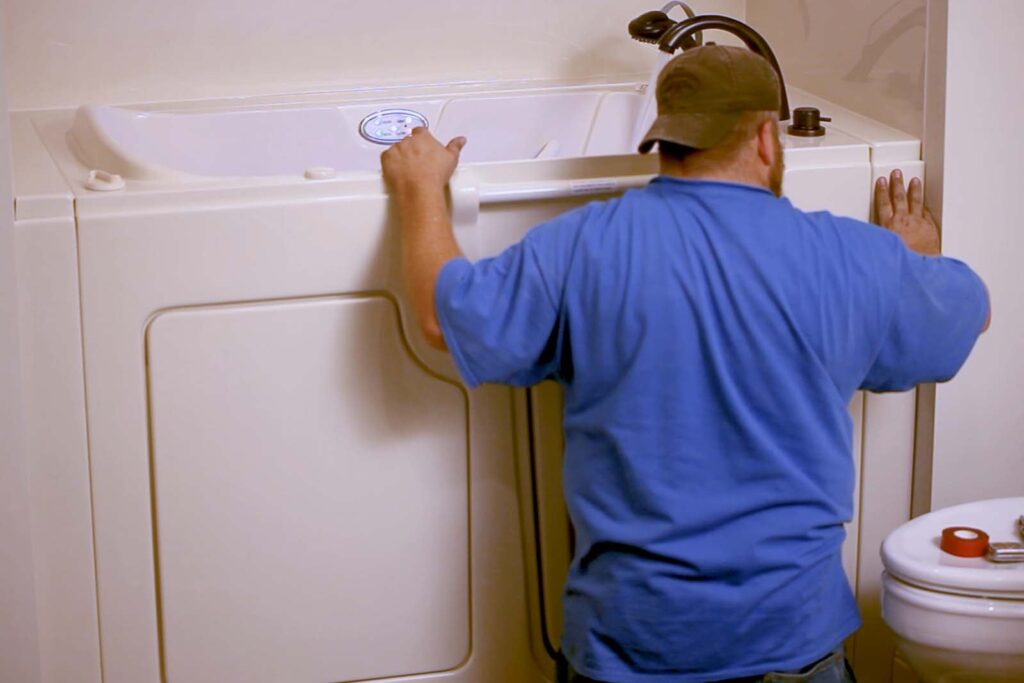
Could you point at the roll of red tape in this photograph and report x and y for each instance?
(964, 541)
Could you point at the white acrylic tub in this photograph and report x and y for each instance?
(286, 141)
(283, 481)
(509, 135)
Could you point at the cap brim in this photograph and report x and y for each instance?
(698, 130)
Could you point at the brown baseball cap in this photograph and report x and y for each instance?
(703, 92)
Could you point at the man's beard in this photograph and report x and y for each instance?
(778, 168)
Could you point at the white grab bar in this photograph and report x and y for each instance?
(557, 189)
(468, 195)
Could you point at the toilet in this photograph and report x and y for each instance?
(958, 619)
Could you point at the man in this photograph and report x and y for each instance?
(709, 337)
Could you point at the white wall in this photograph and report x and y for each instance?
(979, 423)
(19, 650)
(866, 55)
(67, 52)
(973, 150)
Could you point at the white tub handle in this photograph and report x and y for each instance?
(468, 195)
(465, 195)
(558, 189)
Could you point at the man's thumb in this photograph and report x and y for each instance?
(457, 144)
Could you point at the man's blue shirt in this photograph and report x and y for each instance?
(709, 337)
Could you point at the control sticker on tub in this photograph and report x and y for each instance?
(598, 186)
(388, 126)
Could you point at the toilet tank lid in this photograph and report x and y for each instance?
(912, 552)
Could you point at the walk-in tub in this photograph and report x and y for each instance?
(284, 482)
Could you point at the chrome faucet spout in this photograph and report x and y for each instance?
(682, 36)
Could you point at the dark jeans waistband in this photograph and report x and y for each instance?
(834, 663)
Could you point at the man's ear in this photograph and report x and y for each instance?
(766, 148)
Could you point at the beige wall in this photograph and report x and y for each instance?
(19, 646)
(979, 424)
(866, 55)
(66, 52)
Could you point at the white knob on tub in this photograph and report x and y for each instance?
(102, 181)
(320, 173)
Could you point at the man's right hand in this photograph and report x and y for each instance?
(907, 217)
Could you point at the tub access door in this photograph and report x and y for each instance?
(288, 484)
(310, 486)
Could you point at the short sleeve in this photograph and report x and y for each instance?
(940, 308)
(501, 317)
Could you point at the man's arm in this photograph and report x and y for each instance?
(906, 215)
(417, 170)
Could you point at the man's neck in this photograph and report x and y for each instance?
(729, 174)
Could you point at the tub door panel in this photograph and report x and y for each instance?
(311, 495)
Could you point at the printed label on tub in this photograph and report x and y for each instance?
(605, 186)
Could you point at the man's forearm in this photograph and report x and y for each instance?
(417, 170)
(427, 244)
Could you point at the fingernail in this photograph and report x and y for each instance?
(882, 182)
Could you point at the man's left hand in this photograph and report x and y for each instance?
(905, 214)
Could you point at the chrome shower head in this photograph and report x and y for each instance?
(649, 27)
